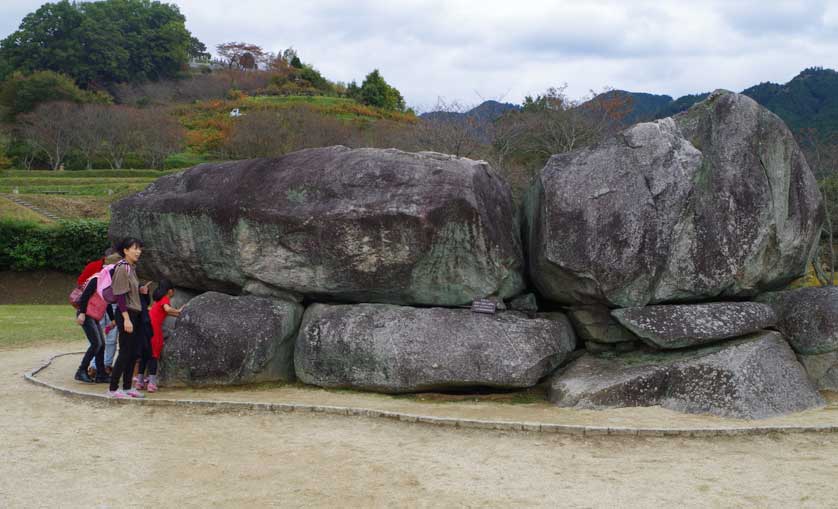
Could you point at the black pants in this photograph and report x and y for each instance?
(144, 350)
(150, 363)
(124, 365)
(97, 345)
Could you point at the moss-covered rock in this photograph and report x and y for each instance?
(393, 349)
(715, 202)
(751, 378)
(365, 225)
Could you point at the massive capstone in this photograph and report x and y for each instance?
(364, 225)
(715, 202)
(393, 349)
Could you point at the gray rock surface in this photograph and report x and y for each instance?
(595, 324)
(181, 297)
(822, 370)
(715, 202)
(364, 225)
(224, 340)
(393, 349)
(686, 325)
(750, 378)
(526, 303)
(808, 317)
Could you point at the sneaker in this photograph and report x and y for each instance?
(137, 383)
(81, 376)
(117, 394)
(134, 393)
(102, 379)
(151, 387)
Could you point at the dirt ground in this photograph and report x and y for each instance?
(62, 452)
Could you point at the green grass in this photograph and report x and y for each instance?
(298, 99)
(30, 174)
(11, 210)
(28, 325)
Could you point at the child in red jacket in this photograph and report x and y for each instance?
(159, 311)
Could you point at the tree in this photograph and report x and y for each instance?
(375, 91)
(100, 43)
(160, 135)
(822, 155)
(22, 93)
(450, 130)
(241, 55)
(49, 128)
(198, 50)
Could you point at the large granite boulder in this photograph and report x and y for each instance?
(394, 349)
(224, 340)
(822, 370)
(808, 317)
(715, 202)
(686, 325)
(751, 378)
(364, 225)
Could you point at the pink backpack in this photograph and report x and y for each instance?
(104, 279)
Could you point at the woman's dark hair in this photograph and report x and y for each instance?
(126, 243)
(162, 289)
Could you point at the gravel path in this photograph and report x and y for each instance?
(62, 452)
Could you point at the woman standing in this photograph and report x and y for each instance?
(126, 288)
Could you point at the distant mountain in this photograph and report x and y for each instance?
(643, 106)
(487, 111)
(809, 100)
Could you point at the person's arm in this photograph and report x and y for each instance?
(171, 311)
(85, 298)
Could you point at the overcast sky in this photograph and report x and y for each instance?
(469, 51)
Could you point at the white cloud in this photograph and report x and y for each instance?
(468, 50)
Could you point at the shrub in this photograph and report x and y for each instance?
(67, 246)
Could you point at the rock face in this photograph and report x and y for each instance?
(681, 326)
(715, 202)
(365, 225)
(822, 370)
(752, 378)
(595, 324)
(808, 317)
(181, 297)
(395, 349)
(220, 339)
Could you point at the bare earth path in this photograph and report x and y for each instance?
(58, 452)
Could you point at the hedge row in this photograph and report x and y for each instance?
(67, 246)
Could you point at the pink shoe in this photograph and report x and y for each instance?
(117, 394)
(151, 387)
(137, 383)
(134, 393)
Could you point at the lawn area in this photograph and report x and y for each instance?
(26, 325)
(71, 194)
(11, 210)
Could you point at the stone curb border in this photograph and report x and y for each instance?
(566, 429)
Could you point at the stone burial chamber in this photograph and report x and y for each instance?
(653, 272)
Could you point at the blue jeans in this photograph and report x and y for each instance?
(110, 343)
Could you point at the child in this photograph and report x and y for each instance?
(159, 311)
